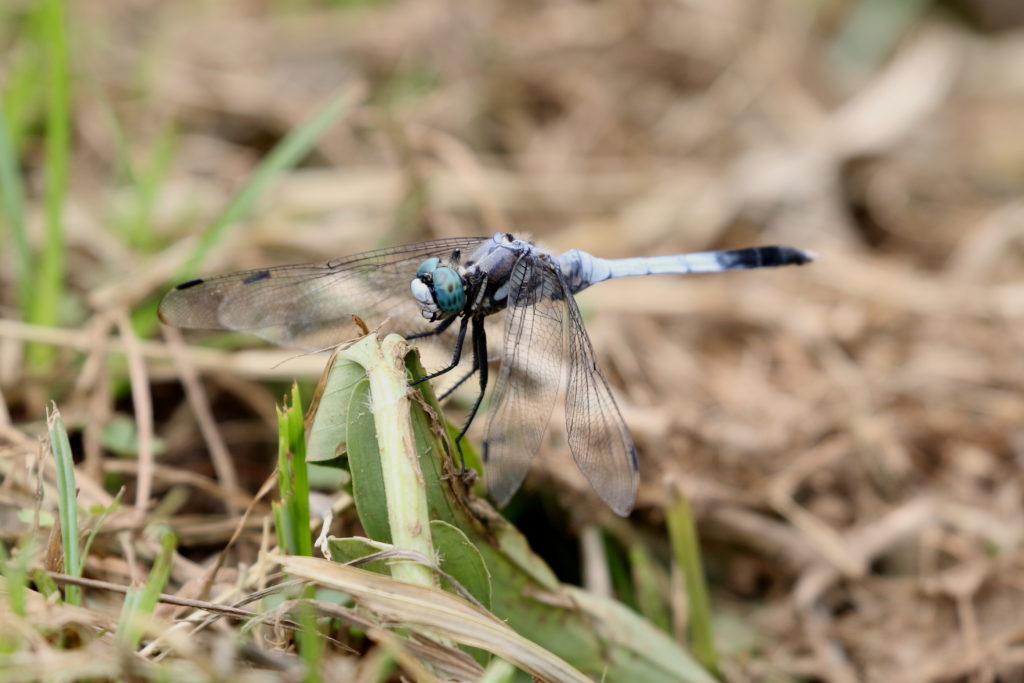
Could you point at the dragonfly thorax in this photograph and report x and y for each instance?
(438, 289)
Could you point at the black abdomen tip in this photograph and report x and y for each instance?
(797, 256)
(771, 257)
(765, 257)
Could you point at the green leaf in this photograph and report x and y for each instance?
(120, 435)
(462, 561)
(328, 417)
(640, 652)
(364, 464)
(345, 550)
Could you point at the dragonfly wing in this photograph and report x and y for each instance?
(532, 362)
(598, 437)
(311, 306)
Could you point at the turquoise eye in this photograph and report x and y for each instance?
(448, 291)
(428, 266)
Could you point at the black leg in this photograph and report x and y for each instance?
(445, 324)
(456, 357)
(480, 362)
(462, 380)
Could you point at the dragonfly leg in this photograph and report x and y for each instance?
(456, 357)
(480, 362)
(445, 324)
(462, 380)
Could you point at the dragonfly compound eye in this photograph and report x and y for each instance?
(448, 291)
(428, 266)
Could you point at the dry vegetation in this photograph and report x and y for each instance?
(848, 433)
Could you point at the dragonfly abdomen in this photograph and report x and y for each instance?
(582, 269)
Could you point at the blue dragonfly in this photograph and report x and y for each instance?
(452, 285)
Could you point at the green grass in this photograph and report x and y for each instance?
(12, 204)
(285, 155)
(686, 550)
(15, 573)
(134, 222)
(67, 501)
(290, 151)
(22, 98)
(311, 643)
(650, 592)
(37, 84)
(49, 282)
(291, 514)
(139, 603)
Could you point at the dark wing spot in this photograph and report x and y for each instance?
(190, 283)
(256, 276)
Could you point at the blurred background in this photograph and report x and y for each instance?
(849, 433)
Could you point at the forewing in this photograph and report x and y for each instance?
(311, 306)
(598, 437)
(532, 362)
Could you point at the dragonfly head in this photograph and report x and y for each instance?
(438, 289)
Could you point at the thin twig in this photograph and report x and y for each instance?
(223, 464)
(142, 401)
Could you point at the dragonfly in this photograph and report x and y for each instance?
(450, 287)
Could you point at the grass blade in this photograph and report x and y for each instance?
(285, 155)
(48, 286)
(686, 550)
(67, 500)
(649, 590)
(311, 643)
(12, 203)
(139, 603)
(292, 514)
(15, 572)
(104, 513)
